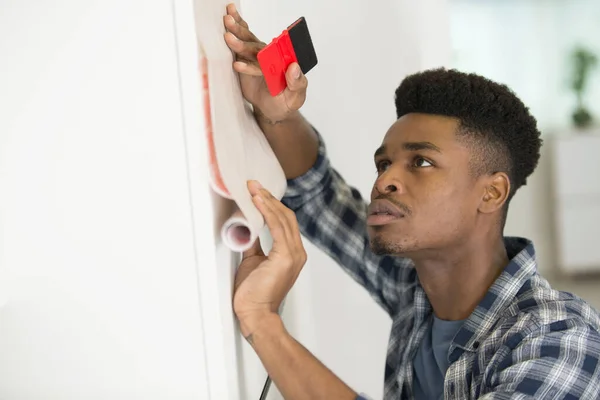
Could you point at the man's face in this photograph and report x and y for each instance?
(425, 198)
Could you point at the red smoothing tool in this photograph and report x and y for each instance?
(293, 45)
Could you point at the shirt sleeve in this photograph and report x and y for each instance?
(558, 361)
(332, 215)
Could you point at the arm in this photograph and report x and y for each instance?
(331, 214)
(261, 283)
(293, 140)
(296, 372)
(556, 361)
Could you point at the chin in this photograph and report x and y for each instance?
(385, 245)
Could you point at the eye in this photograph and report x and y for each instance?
(420, 162)
(382, 165)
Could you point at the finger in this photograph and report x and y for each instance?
(295, 93)
(247, 68)
(254, 187)
(232, 10)
(280, 208)
(274, 223)
(255, 250)
(278, 212)
(290, 221)
(286, 217)
(278, 216)
(246, 50)
(239, 30)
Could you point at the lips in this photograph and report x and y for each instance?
(382, 212)
(384, 207)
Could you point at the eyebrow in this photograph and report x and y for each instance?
(416, 146)
(380, 151)
(411, 146)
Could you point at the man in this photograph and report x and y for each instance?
(471, 316)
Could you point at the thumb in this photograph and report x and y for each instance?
(295, 93)
(254, 250)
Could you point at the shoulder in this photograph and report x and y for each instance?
(546, 342)
(544, 323)
(538, 304)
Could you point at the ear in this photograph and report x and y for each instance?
(495, 193)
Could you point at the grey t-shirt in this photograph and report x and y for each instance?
(431, 361)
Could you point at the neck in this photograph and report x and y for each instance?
(456, 280)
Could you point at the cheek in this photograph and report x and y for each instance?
(444, 206)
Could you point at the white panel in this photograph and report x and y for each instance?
(577, 165)
(578, 232)
(216, 264)
(97, 237)
(577, 200)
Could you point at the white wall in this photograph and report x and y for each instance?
(110, 285)
(364, 51)
(526, 45)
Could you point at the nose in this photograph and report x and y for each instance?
(387, 183)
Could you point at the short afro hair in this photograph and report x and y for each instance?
(490, 115)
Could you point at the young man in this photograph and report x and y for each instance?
(471, 316)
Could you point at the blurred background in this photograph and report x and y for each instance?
(547, 52)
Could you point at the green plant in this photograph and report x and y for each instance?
(584, 62)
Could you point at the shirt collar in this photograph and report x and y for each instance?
(501, 294)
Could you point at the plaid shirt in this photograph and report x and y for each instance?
(524, 340)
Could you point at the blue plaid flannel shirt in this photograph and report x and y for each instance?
(524, 340)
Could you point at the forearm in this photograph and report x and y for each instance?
(293, 141)
(295, 371)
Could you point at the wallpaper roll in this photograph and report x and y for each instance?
(238, 149)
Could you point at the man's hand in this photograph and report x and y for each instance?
(262, 282)
(246, 46)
